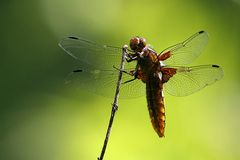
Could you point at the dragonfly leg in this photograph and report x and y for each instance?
(131, 57)
(129, 80)
(129, 73)
(133, 73)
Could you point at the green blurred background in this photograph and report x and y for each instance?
(43, 119)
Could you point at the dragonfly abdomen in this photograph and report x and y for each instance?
(156, 104)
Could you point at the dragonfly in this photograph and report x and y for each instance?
(147, 72)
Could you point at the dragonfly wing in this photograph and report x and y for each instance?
(188, 80)
(185, 52)
(103, 81)
(96, 72)
(91, 53)
(133, 89)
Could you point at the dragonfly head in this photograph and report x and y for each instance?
(137, 44)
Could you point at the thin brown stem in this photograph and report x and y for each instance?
(115, 103)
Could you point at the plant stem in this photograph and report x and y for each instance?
(115, 103)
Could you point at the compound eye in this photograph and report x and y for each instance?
(134, 42)
(142, 43)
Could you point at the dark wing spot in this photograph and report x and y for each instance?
(201, 32)
(216, 66)
(78, 70)
(73, 37)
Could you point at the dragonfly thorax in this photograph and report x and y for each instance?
(148, 61)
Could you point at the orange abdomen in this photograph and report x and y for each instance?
(156, 103)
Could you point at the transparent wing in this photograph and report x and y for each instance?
(103, 82)
(188, 80)
(96, 72)
(133, 89)
(187, 51)
(91, 53)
